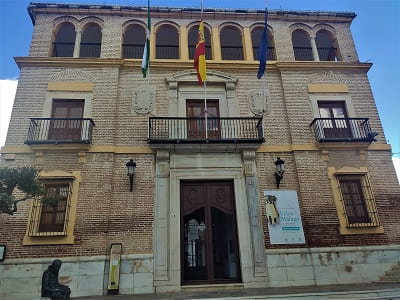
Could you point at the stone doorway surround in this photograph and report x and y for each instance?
(173, 167)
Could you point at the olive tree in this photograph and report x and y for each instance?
(17, 185)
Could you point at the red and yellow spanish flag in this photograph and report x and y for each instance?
(200, 56)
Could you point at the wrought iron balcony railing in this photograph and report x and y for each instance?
(167, 52)
(232, 52)
(327, 53)
(60, 130)
(63, 49)
(270, 53)
(192, 130)
(90, 50)
(303, 53)
(132, 50)
(192, 51)
(343, 130)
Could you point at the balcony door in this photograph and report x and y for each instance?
(339, 128)
(196, 119)
(209, 247)
(62, 129)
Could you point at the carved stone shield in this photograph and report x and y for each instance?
(258, 101)
(143, 101)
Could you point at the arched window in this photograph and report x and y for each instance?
(167, 42)
(133, 43)
(91, 41)
(63, 45)
(301, 45)
(231, 43)
(256, 35)
(193, 38)
(327, 49)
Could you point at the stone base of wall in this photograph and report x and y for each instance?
(333, 265)
(86, 276)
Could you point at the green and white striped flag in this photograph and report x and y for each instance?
(146, 52)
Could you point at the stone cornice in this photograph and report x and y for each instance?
(322, 65)
(171, 64)
(183, 13)
(146, 149)
(28, 61)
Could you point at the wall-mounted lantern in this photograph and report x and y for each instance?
(131, 165)
(279, 170)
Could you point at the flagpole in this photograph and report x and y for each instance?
(146, 53)
(265, 72)
(148, 69)
(204, 84)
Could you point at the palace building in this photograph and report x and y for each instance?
(285, 180)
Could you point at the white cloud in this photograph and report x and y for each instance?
(8, 88)
(396, 162)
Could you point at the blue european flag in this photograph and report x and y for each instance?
(262, 49)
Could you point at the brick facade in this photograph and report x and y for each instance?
(108, 213)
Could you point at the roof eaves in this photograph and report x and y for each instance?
(349, 15)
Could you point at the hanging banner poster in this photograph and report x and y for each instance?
(284, 219)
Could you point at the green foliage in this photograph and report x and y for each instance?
(25, 180)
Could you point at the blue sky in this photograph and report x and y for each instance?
(376, 32)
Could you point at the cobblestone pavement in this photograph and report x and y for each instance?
(349, 291)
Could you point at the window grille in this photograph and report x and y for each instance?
(51, 218)
(358, 201)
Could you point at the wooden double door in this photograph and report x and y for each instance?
(209, 244)
(66, 123)
(196, 127)
(338, 126)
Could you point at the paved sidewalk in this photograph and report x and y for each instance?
(348, 291)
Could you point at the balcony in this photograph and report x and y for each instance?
(232, 53)
(324, 53)
(132, 51)
(303, 53)
(60, 131)
(63, 49)
(90, 50)
(192, 51)
(166, 130)
(327, 54)
(343, 130)
(270, 53)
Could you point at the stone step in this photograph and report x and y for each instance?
(360, 295)
(392, 272)
(356, 291)
(394, 278)
(211, 287)
(396, 267)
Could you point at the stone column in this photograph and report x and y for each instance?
(152, 43)
(257, 235)
(216, 45)
(314, 48)
(248, 45)
(183, 43)
(77, 46)
(161, 215)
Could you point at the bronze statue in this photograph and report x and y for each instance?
(50, 285)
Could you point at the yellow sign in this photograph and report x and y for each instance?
(115, 264)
